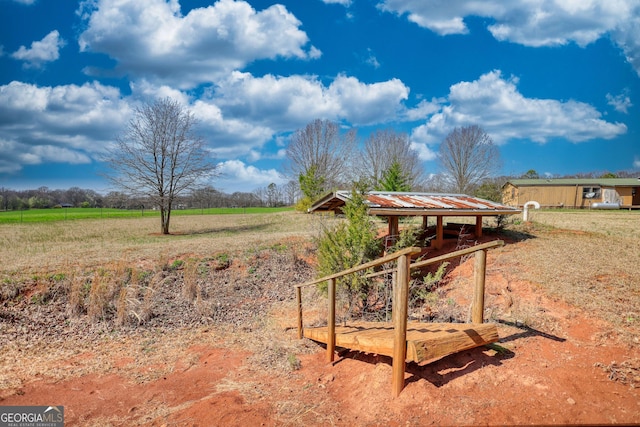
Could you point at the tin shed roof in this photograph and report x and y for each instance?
(603, 182)
(419, 204)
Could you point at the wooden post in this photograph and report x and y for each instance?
(439, 233)
(400, 311)
(393, 226)
(331, 321)
(299, 304)
(425, 222)
(480, 269)
(478, 226)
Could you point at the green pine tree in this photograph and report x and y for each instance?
(394, 179)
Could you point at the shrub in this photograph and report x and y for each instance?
(349, 244)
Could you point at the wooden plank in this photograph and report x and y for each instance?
(425, 341)
(357, 338)
(449, 340)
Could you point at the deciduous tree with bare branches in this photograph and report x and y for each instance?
(385, 150)
(321, 153)
(159, 156)
(468, 156)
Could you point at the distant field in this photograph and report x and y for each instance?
(66, 214)
(54, 245)
(618, 223)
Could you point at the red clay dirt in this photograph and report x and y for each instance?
(550, 377)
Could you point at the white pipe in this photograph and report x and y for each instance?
(525, 210)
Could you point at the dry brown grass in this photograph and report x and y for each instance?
(55, 246)
(607, 223)
(589, 259)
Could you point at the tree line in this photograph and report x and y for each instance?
(198, 198)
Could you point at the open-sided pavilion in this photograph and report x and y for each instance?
(393, 205)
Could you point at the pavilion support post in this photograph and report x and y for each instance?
(299, 305)
(331, 321)
(478, 226)
(393, 226)
(425, 222)
(439, 233)
(480, 269)
(399, 315)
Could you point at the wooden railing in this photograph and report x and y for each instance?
(400, 298)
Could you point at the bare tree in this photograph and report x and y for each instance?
(320, 152)
(75, 196)
(468, 156)
(205, 197)
(385, 149)
(117, 200)
(273, 195)
(291, 190)
(159, 156)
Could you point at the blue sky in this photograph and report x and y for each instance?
(556, 84)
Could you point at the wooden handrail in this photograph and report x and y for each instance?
(445, 257)
(461, 252)
(376, 262)
(331, 278)
(400, 298)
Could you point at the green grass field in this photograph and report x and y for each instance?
(66, 214)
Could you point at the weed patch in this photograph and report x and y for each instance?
(627, 372)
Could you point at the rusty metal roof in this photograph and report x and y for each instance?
(397, 203)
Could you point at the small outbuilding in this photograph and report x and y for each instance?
(574, 193)
(393, 205)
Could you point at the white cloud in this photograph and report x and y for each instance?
(8, 160)
(371, 59)
(620, 103)
(495, 104)
(533, 23)
(238, 176)
(424, 109)
(345, 3)
(41, 52)
(144, 89)
(280, 102)
(286, 103)
(362, 103)
(153, 39)
(51, 153)
(228, 136)
(72, 123)
(424, 152)
(636, 162)
(67, 124)
(27, 2)
(627, 36)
